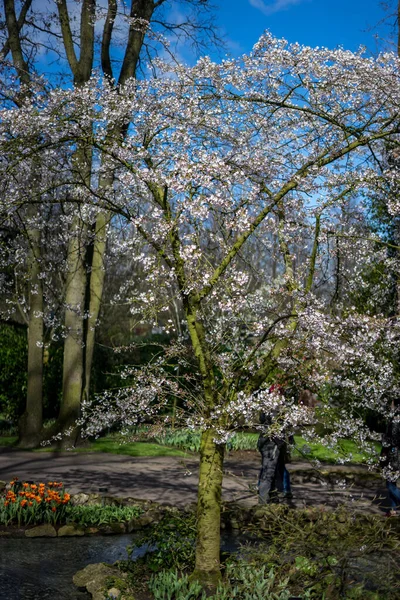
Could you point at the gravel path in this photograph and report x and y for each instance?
(173, 480)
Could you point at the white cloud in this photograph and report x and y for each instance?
(269, 8)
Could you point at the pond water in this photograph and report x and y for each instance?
(42, 568)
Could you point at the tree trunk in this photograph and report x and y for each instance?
(96, 292)
(207, 567)
(30, 424)
(73, 345)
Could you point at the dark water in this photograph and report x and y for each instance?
(42, 568)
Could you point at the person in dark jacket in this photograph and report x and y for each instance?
(272, 464)
(390, 459)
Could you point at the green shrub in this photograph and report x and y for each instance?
(242, 440)
(13, 374)
(240, 583)
(170, 543)
(13, 370)
(97, 514)
(332, 554)
(185, 439)
(168, 585)
(188, 439)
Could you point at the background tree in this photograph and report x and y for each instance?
(124, 39)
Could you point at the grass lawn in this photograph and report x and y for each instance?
(8, 441)
(114, 444)
(322, 453)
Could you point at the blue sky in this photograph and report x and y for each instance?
(331, 23)
(312, 22)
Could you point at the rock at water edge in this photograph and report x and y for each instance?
(70, 531)
(46, 530)
(93, 578)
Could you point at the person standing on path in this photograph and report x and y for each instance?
(272, 465)
(274, 477)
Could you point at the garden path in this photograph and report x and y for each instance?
(173, 480)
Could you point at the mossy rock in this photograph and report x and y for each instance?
(79, 499)
(45, 530)
(97, 579)
(71, 530)
(113, 528)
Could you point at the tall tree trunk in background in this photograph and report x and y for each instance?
(143, 10)
(30, 424)
(76, 284)
(96, 287)
(73, 344)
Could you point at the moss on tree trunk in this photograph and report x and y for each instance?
(73, 344)
(207, 566)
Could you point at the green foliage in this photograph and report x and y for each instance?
(376, 295)
(108, 364)
(13, 374)
(168, 585)
(13, 370)
(52, 380)
(170, 543)
(311, 554)
(334, 555)
(247, 582)
(243, 582)
(242, 440)
(186, 439)
(6, 441)
(118, 583)
(97, 514)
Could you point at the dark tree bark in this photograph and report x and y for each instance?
(30, 424)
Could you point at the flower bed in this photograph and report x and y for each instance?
(29, 503)
(48, 506)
